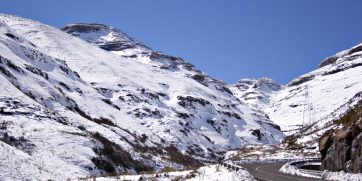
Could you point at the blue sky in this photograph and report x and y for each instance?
(229, 40)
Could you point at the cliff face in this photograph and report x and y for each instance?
(341, 149)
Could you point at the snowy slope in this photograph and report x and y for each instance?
(320, 96)
(71, 109)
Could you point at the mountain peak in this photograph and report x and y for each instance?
(104, 36)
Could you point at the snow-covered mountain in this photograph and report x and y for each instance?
(309, 104)
(71, 109)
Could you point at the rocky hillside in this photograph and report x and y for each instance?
(108, 105)
(341, 148)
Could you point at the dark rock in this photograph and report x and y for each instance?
(301, 80)
(341, 149)
(328, 61)
(198, 77)
(183, 115)
(257, 133)
(340, 69)
(355, 49)
(189, 101)
(37, 71)
(12, 36)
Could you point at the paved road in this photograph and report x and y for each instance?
(270, 172)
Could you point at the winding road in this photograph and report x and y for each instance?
(270, 172)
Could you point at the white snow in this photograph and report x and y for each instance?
(206, 173)
(325, 175)
(341, 176)
(293, 170)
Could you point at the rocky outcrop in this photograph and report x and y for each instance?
(341, 149)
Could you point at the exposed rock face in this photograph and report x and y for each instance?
(341, 149)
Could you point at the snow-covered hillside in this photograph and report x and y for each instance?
(308, 105)
(70, 109)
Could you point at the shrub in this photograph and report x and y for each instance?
(112, 155)
(100, 120)
(178, 157)
(351, 115)
(143, 138)
(103, 164)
